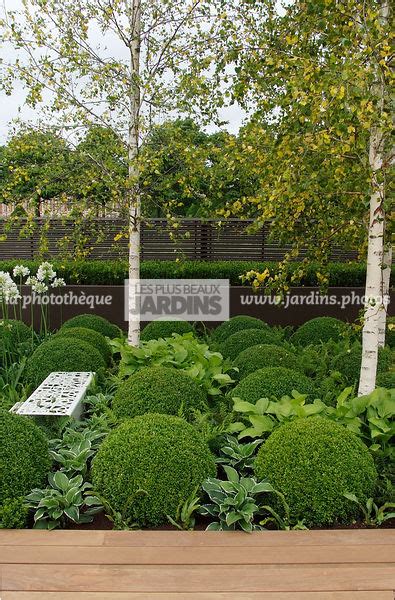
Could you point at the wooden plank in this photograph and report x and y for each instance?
(29, 537)
(183, 555)
(205, 578)
(374, 595)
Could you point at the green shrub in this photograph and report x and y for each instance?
(114, 272)
(242, 340)
(13, 335)
(13, 514)
(272, 381)
(316, 331)
(164, 329)
(348, 363)
(24, 456)
(235, 324)
(313, 462)
(94, 322)
(158, 390)
(62, 354)
(265, 355)
(92, 337)
(149, 465)
(390, 333)
(386, 380)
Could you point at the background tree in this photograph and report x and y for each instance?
(122, 83)
(317, 76)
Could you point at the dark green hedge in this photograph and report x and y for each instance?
(102, 272)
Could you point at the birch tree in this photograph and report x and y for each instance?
(317, 74)
(108, 63)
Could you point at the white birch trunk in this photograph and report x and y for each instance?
(133, 150)
(387, 262)
(375, 310)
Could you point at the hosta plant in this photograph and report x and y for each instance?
(239, 456)
(64, 500)
(182, 352)
(235, 503)
(264, 416)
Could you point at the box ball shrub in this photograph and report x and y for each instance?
(24, 456)
(348, 363)
(386, 380)
(63, 354)
(241, 340)
(149, 465)
(164, 329)
(272, 381)
(318, 330)
(158, 390)
(92, 337)
(390, 332)
(95, 322)
(313, 462)
(265, 355)
(235, 324)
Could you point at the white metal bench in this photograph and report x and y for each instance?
(59, 395)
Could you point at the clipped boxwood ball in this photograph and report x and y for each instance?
(272, 381)
(313, 462)
(348, 363)
(264, 355)
(241, 340)
(96, 323)
(161, 454)
(158, 390)
(13, 334)
(235, 324)
(92, 337)
(315, 331)
(164, 329)
(62, 354)
(24, 456)
(390, 332)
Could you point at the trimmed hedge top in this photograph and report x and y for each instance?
(235, 324)
(313, 462)
(92, 337)
(99, 324)
(318, 330)
(104, 272)
(63, 354)
(237, 342)
(158, 390)
(265, 355)
(24, 456)
(272, 381)
(163, 329)
(149, 465)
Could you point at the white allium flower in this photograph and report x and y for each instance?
(31, 280)
(45, 271)
(40, 287)
(21, 271)
(58, 282)
(5, 278)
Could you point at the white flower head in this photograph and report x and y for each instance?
(58, 282)
(9, 292)
(31, 280)
(40, 287)
(45, 272)
(21, 271)
(5, 279)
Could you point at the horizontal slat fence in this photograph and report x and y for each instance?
(195, 240)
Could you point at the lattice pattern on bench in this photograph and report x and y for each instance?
(59, 395)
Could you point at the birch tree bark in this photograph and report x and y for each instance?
(133, 150)
(375, 310)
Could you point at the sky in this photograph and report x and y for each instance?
(13, 106)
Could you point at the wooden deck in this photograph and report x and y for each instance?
(169, 565)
